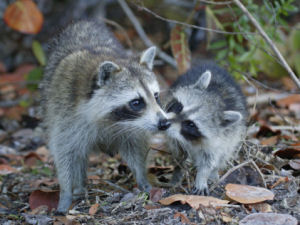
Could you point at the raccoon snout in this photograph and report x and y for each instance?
(164, 124)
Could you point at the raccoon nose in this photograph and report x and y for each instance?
(164, 124)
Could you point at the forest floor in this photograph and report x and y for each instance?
(269, 158)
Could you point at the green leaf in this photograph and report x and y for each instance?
(39, 53)
(33, 77)
(217, 45)
(221, 54)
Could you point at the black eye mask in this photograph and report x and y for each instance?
(174, 106)
(190, 130)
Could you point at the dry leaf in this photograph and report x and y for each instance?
(269, 141)
(279, 181)
(226, 217)
(149, 207)
(266, 131)
(24, 16)
(288, 153)
(31, 159)
(156, 194)
(48, 198)
(193, 200)
(180, 48)
(248, 194)
(7, 169)
(93, 209)
(183, 218)
(268, 218)
(260, 207)
(284, 102)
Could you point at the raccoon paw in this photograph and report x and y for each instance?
(204, 191)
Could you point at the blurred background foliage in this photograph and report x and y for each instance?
(240, 51)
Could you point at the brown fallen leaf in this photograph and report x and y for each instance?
(24, 16)
(266, 131)
(43, 153)
(279, 181)
(226, 217)
(269, 141)
(180, 48)
(260, 207)
(31, 159)
(93, 209)
(40, 197)
(44, 181)
(183, 218)
(284, 102)
(288, 153)
(193, 200)
(268, 218)
(7, 169)
(246, 194)
(149, 207)
(156, 194)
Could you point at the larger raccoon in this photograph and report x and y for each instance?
(98, 97)
(208, 112)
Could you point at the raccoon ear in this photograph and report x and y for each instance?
(148, 56)
(106, 69)
(231, 117)
(204, 80)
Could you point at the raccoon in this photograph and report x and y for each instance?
(208, 121)
(97, 97)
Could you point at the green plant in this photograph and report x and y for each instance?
(248, 51)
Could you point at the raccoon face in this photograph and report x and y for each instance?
(128, 94)
(197, 115)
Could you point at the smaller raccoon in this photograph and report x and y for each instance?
(208, 121)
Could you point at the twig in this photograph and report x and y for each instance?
(265, 98)
(215, 3)
(192, 26)
(259, 172)
(118, 26)
(228, 173)
(143, 35)
(115, 186)
(226, 205)
(269, 41)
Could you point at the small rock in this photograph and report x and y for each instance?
(37, 219)
(4, 150)
(268, 219)
(127, 197)
(3, 135)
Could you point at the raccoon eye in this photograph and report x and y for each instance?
(191, 124)
(175, 107)
(137, 104)
(190, 130)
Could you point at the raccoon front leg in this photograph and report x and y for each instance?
(63, 163)
(79, 177)
(135, 157)
(205, 167)
(71, 172)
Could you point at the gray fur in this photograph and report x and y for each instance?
(88, 84)
(216, 105)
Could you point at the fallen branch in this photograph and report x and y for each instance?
(265, 98)
(142, 34)
(269, 41)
